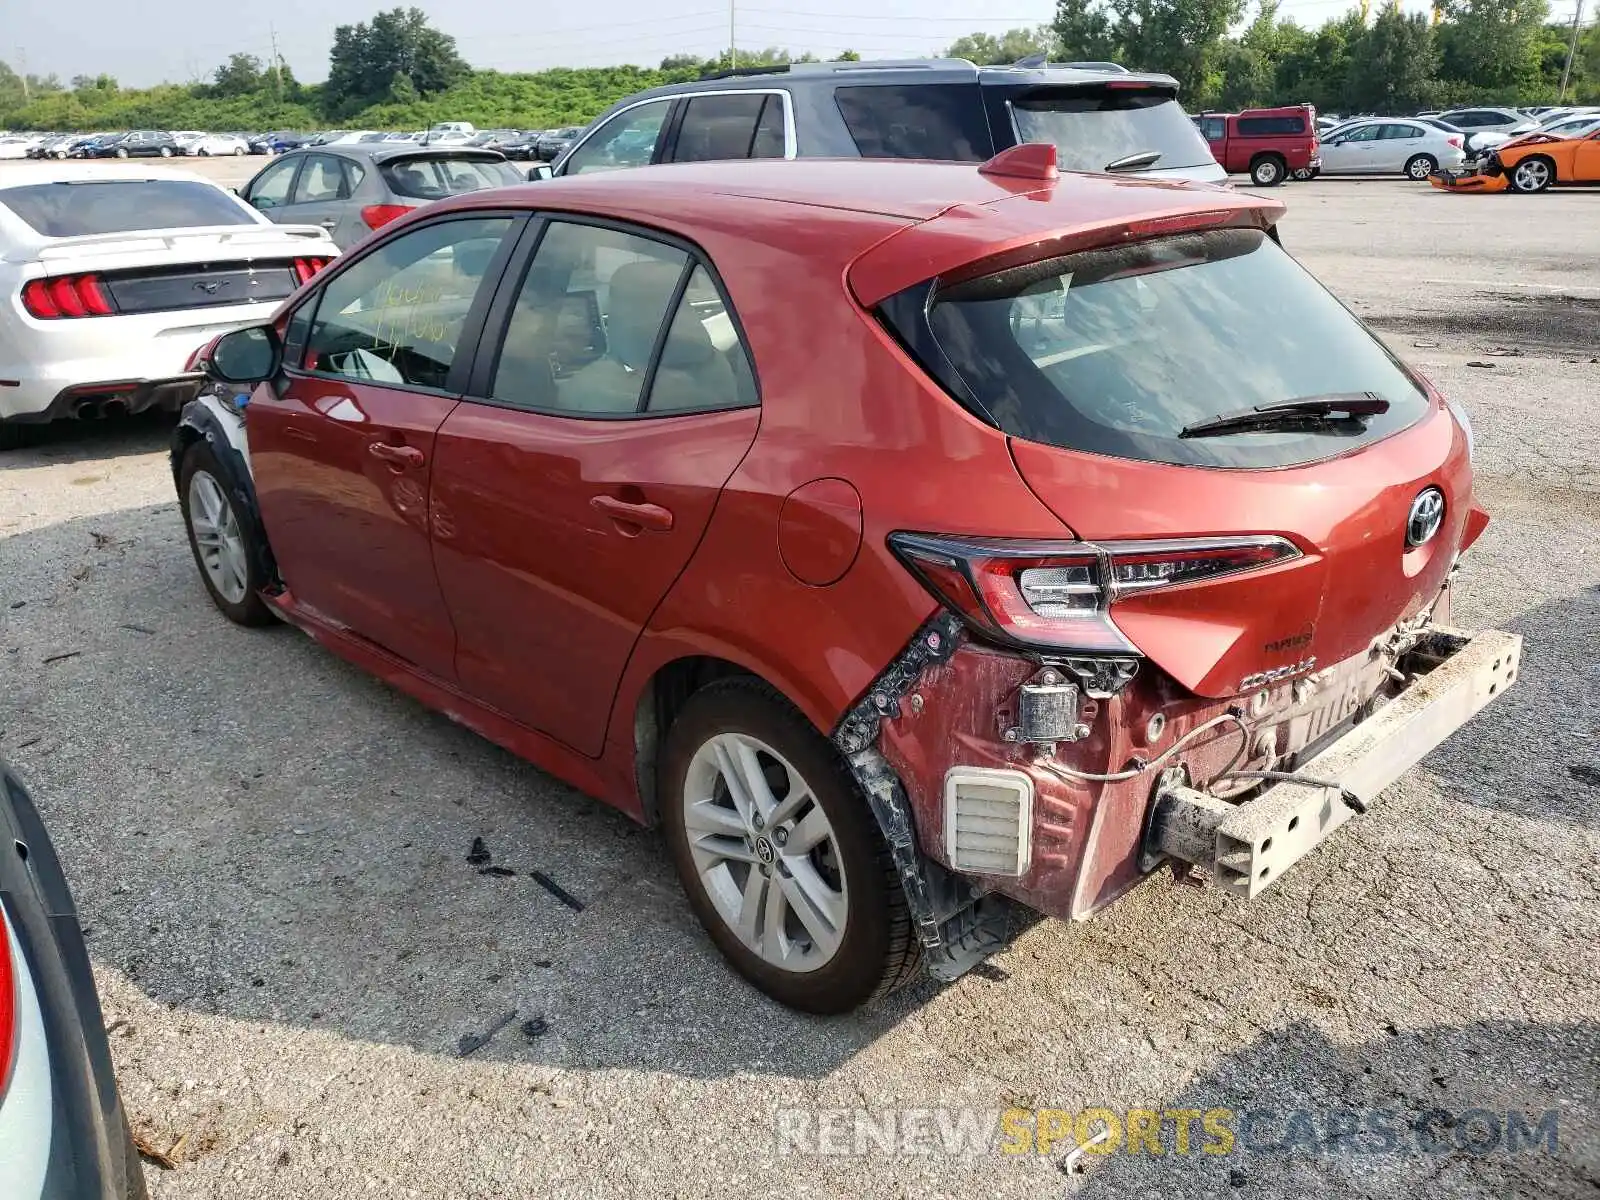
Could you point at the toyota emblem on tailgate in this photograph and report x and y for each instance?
(1427, 514)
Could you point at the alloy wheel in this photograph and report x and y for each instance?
(217, 537)
(766, 854)
(1532, 175)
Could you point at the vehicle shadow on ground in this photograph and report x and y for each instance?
(83, 441)
(255, 829)
(1295, 1096)
(1534, 752)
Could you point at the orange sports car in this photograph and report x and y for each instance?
(1535, 161)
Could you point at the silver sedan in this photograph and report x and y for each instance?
(1391, 147)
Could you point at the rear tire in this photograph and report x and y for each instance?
(1420, 166)
(864, 945)
(1267, 171)
(221, 540)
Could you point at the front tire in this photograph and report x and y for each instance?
(1420, 166)
(222, 542)
(1533, 174)
(1267, 171)
(779, 853)
(121, 153)
(166, 152)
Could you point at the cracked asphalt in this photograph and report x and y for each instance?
(267, 849)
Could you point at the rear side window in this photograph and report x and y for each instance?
(121, 206)
(611, 324)
(1271, 126)
(433, 178)
(1116, 351)
(1091, 127)
(730, 126)
(937, 121)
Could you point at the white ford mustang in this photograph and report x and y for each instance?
(112, 276)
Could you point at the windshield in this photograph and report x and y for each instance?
(73, 209)
(1091, 127)
(1115, 351)
(434, 178)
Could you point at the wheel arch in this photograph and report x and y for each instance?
(659, 700)
(209, 420)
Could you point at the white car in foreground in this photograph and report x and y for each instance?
(111, 277)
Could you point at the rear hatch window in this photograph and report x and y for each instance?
(434, 177)
(1092, 127)
(1120, 351)
(77, 209)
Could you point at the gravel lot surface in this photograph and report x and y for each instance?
(267, 848)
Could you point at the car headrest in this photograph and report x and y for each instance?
(640, 293)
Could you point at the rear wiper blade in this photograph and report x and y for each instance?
(1132, 162)
(1288, 413)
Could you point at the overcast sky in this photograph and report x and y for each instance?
(147, 41)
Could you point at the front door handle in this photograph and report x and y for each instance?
(646, 516)
(398, 456)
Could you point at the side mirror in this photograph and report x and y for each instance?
(540, 171)
(250, 355)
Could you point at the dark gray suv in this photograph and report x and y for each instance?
(1099, 116)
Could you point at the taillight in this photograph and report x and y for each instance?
(1454, 141)
(66, 296)
(375, 216)
(305, 268)
(1058, 595)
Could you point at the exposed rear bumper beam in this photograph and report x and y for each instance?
(1246, 847)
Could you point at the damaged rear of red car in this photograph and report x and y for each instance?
(1066, 529)
(1239, 633)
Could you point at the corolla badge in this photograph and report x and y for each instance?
(1277, 674)
(1427, 514)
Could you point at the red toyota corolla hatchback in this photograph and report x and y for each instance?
(913, 542)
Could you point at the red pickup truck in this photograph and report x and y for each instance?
(1268, 144)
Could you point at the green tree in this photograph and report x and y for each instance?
(241, 75)
(1183, 38)
(1083, 31)
(1393, 72)
(848, 56)
(1492, 44)
(367, 57)
(1014, 44)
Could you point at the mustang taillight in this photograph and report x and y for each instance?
(305, 268)
(1058, 595)
(64, 296)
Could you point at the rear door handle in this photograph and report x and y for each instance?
(647, 516)
(399, 456)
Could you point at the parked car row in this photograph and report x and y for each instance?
(1274, 144)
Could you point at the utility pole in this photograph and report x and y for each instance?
(277, 75)
(733, 53)
(1572, 50)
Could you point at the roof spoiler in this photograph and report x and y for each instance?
(1030, 160)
